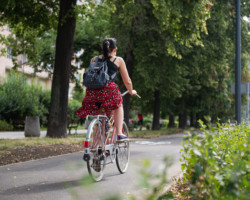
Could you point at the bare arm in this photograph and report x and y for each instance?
(92, 60)
(125, 77)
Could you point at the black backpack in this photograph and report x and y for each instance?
(97, 75)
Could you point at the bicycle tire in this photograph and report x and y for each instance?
(97, 161)
(123, 153)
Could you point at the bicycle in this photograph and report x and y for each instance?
(100, 145)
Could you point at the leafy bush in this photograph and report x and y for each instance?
(14, 98)
(165, 123)
(147, 122)
(73, 105)
(44, 105)
(5, 126)
(216, 163)
(18, 99)
(78, 93)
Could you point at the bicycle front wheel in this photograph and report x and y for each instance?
(97, 161)
(122, 153)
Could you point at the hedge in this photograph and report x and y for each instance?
(216, 163)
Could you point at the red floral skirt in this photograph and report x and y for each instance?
(100, 101)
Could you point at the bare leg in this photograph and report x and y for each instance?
(118, 118)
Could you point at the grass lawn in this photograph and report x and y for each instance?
(148, 133)
(8, 144)
(158, 133)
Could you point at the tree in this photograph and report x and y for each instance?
(147, 23)
(158, 48)
(57, 126)
(40, 18)
(29, 21)
(142, 23)
(207, 92)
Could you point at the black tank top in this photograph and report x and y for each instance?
(112, 68)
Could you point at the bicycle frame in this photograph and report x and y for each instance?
(108, 143)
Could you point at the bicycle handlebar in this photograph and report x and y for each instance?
(127, 92)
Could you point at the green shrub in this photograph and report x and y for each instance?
(217, 164)
(73, 105)
(5, 126)
(18, 99)
(14, 98)
(78, 92)
(44, 105)
(165, 123)
(147, 122)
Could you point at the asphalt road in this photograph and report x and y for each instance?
(64, 177)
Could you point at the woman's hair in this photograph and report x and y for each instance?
(108, 45)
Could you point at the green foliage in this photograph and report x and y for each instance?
(78, 93)
(207, 71)
(33, 25)
(31, 14)
(182, 20)
(44, 104)
(18, 99)
(91, 29)
(216, 163)
(33, 31)
(5, 126)
(73, 105)
(153, 35)
(165, 123)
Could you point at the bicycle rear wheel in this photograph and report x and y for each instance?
(97, 161)
(122, 157)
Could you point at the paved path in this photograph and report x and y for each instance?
(61, 177)
(20, 134)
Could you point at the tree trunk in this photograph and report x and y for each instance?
(171, 121)
(129, 60)
(192, 119)
(156, 117)
(57, 125)
(183, 117)
(126, 107)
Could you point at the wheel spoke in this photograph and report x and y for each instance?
(122, 158)
(97, 161)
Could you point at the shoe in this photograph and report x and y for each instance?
(122, 138)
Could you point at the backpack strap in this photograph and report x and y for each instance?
(114, 59)
(113, 76)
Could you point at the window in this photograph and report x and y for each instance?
(70, 92)
(78, 65)
(9, 50)
(8, 29)
(78, 76)
(24, 58)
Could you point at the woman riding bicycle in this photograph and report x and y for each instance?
(109, 98)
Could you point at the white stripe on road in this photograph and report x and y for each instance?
(151, 143)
